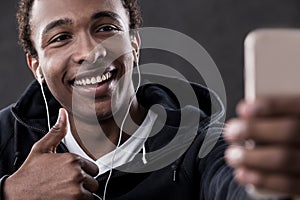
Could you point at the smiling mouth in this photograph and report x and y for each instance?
(95, 80)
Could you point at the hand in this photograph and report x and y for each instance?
(269, 157)
(47, 175)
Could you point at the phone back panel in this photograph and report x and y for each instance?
(272, 63)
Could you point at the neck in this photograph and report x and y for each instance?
(101, 137)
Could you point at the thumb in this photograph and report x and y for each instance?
(51, 140)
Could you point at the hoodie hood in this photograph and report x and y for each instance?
(31, 110)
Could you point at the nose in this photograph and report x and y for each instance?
(88, 50)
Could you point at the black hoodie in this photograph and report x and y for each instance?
(185, 151)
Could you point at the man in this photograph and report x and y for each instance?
(83, 53)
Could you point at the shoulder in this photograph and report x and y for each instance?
(6, 126)
(6, 116)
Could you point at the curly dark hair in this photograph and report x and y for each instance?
(23, 18)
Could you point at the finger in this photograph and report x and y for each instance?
(271, 159)
(275, 182)
(279, 131)
(90, 183)
(85, 195)
(89, 167)
(270, 106)
(52, 139)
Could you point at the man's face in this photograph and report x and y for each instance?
(85, 53)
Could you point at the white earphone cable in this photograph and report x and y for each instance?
(40, 80)
(46, 104)
(121, 128)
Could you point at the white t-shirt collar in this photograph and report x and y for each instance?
(124, 154)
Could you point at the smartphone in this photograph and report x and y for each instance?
(272, 68)
(272, 63)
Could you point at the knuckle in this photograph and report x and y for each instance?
(247, 126)
(283, 158)
(75, 188)
(291, 130)
(56, 128)
(77, 175)
(265, 105)
(260, 180)
(80, 193)
(246, 129)
(81, 176)
(35, 146)
(77, 159)
(73, 158)
(237, 129)
(286, 184)
(76, 192)
(268, 103)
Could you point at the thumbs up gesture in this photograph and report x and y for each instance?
(47, 175)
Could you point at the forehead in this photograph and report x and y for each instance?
(45, 11)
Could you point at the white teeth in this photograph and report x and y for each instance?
(93, 80)
(99, 79)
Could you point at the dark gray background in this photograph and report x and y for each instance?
(218, 25)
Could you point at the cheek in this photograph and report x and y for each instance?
(56, 60)
(53, 67)
(124, 88)
(119, 45)
(53, 76)
(126, 61)
(54, 73)
(125, 75)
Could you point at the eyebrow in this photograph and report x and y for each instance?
(108, 14)
(55, 24)
(67, 21)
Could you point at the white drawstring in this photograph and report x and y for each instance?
(144, 155)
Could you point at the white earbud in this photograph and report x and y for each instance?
(39, 75)
(136, 59)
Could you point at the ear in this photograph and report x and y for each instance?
(32, 63)
(136, 44)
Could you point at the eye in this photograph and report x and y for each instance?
(60, 38)
(108, 28)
